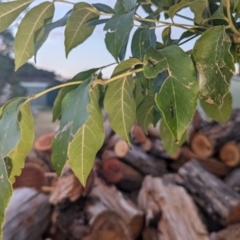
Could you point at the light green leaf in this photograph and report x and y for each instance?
(119, 100)
(88, 140)
(129, 5)
(145, 113)
(76, 31)
(19, 153)
(166, 36)
(47, 29)
(221, 114)
(118, 27)
(103, 8)
(30, 30)
(177, 99)
(9, 138)
(214, 63)
(74, 115)
(168, 140)
(62, 93)
(9, 11)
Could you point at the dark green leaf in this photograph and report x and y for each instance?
(187, 34)
(168, 140)
(122, 53)
(156, 83)
(103, 8)
(214, 63)
(119, 100)
(119, 8)
(221, 114)
(9, 11)
(118, 28)
(177, 98)
(166, 36)
(88, 140)
(76, 31)
(129, 5)
(96, 22)
(74, 115)
(47, 29)
(30, 30)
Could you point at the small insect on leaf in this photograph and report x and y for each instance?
(151, 63)
(171, 111)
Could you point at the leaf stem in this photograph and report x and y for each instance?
(104, 82)
(184, 17)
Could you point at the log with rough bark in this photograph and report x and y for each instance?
(233, 179)
(145, 163)
(232, 232)
(27, 215)
(122, 174)
(116, 202)
(209, 192)
(171, 210)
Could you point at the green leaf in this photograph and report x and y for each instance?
(9, 11)
(88, 140)
(142, 39)
(97, 22)
(9, 138)
(47, 29)
(166, 36)
(103, 8)
(221, 114)
(214, 63)
(156, 83)
(118, 27)
(76, 31)
(62, 93)
(74, 115)
(188, 34)
(145, 113)
(129, 5)
(30, 30)
(168, 140)
(177, 99)
(119, 100)
(19, 153)
(119, 7)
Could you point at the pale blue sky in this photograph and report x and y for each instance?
(91, 53)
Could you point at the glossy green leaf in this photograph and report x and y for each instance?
(142, 39)
(19, 153)
(9, 11)
(118, 28)
(168, 140)
(177, 99)
(129, 5)
(88, 140)
(221, 114)
(74, 115)
(62, 93)
(47, 29)
(166, 36)
(76, 31)
(30, 30)
(145, 113)
(214, 63)
(119, 100)
(103, 8)
(96, 22)
(9, 138)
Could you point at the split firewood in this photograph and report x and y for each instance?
(233, 179)
(209, 192)
(109, 226)
(138, 134)
(232, 232)
(27, 215)
(116, 202)
(230, 154)
(171, 210)
(145, 163)
(68, 187)
(123, 175)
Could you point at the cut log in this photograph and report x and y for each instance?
(233, 179)
(109, 226)
(171, 210)
(230, 154)
(213, 195)
(138, 134)
(145, 163)
(121, 148)
(126, 177)
(232, 232)
(27, 216)
(115, 201)
(108, 154)
(112, 141)
(150, 234)
(147, 145)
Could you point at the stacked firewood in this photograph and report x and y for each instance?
(141, 192)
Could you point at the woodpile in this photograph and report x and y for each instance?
(140, 192)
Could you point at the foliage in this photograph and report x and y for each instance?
(159, 81)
